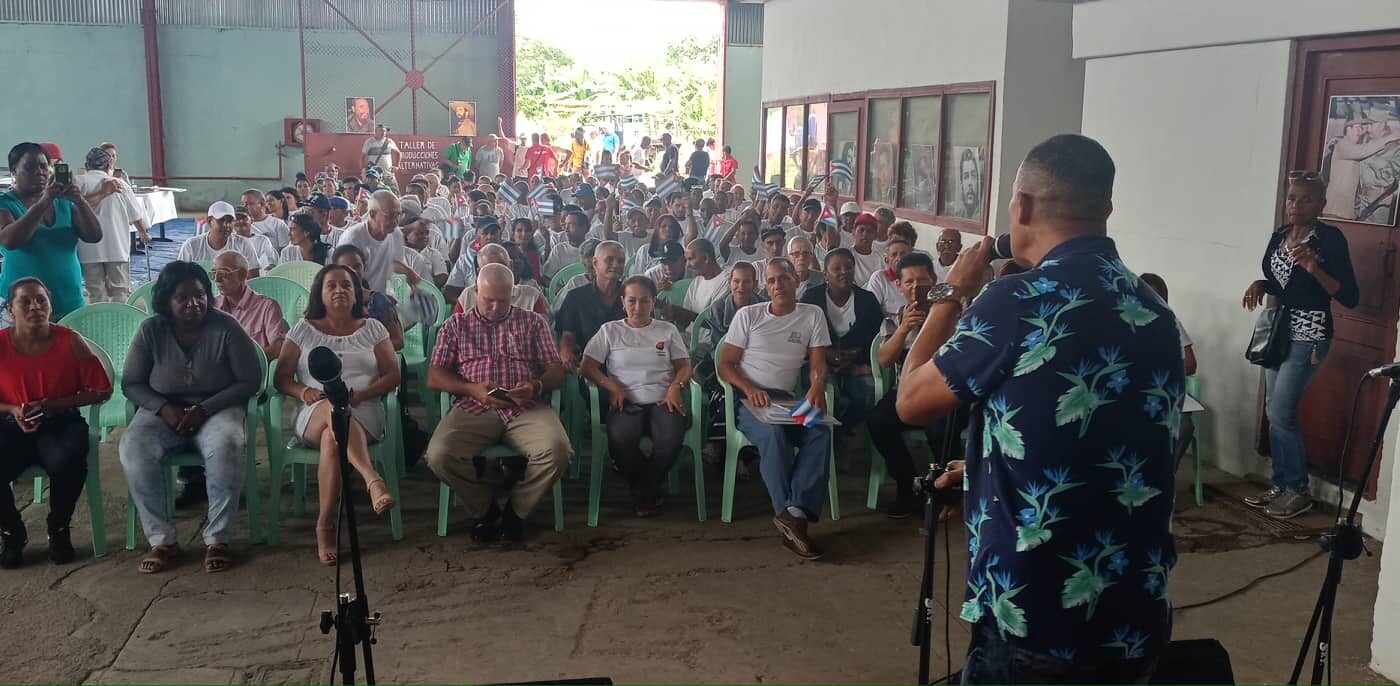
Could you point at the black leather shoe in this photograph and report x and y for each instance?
(488, 527)
(12, 548)
(512, 526)
(904, 507)
(61, 546)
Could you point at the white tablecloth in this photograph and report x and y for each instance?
(159, 205)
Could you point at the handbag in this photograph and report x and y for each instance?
(1268, 345)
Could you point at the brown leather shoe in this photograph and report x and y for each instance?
(795, 538)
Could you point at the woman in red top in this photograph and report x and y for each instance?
(47, 372)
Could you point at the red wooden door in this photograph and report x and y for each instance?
(1339, 86)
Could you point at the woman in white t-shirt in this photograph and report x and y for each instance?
(647, 365)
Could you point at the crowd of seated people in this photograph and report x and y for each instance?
(783, 298)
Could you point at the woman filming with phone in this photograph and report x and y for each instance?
(42, 218)
(47, 372)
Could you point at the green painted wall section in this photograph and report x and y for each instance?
(224, 92)
(743, 105)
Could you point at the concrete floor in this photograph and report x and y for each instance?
(659, 600)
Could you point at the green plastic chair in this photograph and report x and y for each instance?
(93, 485)
(112, 327)
(694, 439)
(430, 335)
(386, 453)
(675, 296)
(416, 348)
(291, 297)
(207, 264)
(735, 440)
(496, 452)
(299, 271)
(696, 327)
(251, 490)
(1193, 389)
(560, 278)
(141, 297)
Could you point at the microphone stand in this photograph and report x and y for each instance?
(1342, 542)
(351, 619)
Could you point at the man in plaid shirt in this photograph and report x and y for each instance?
(497, 346)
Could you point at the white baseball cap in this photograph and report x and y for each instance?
(220, 209)
(850, 208)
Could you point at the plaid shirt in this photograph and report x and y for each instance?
(515, 349)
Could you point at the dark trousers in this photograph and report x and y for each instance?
(992, 659)
(60, 448)
(625, 431)
(887, 433)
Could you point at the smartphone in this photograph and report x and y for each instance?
(61, 174)
(33, 413)
(501, 394)
(921, 294)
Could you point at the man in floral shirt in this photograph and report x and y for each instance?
(1078, 370)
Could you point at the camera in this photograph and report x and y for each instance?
(924, 485)
(61, 174)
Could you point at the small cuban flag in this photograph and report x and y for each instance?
(760, 188)
(828, 217)
(606, 172)
(666, 186)
(807, 414)
(509, 193)
(627, 182)
(539, 192)
(545, 206)
(841, 171)
(629, 204)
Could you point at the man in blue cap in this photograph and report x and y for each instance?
(336, 222)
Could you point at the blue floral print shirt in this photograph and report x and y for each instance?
(1077, 366)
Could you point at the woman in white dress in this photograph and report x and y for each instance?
(336, 319)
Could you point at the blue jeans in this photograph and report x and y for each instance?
(799, 482)
(855, 397)
(1283, 390)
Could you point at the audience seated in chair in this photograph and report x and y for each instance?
(47, 372)
(762, 357)
(853, 317)
(524, 296)
(378, 305)
(885, 283)
(585, 309)
(498, 346)
(259, 315)
(191, 370)
(647, 366)
(743, 291)
(336, 319)
(709, 284)
(305, 241)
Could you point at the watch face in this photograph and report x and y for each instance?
(940, 291)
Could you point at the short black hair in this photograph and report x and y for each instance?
(25, 149)
(838, 252)
(578, 216)
(914, 259)
(171, 276)
(346, 249)
(1157, 284)
(316, 305)
(522, 220)
(1075, 176)
(21, 283)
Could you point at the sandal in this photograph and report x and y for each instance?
(326, 545)
(216, 558)
(158, 559)
(382, 500)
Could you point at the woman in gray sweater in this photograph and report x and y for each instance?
(191, 370)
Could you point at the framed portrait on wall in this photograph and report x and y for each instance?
(461, 118)
(359, 114)
(962, 190)
(1361, 158)
(294, 130)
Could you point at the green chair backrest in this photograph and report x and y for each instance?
(414, 342)
(141, 297)
(290, 295)
(675, 296)
(561, 278)
(111, 326)
(300, 272)
(444, 311)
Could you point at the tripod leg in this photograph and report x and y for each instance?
(1322, 659)
(1308, 636)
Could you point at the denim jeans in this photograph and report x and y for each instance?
(799, 482)
(625, 431)
(1283, 390)
(992, 659)
(855, 397)
(221, 441)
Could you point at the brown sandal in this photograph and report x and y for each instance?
(158, 559)
(326, 545)
(381, 498)
(216, 558)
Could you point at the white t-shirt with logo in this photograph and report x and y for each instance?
(775, 347)
(639, 358)
(275, 229)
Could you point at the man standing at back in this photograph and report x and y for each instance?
(698, 167)
(107, 263)
(1077, 366)
(378, 237)
(380, 151)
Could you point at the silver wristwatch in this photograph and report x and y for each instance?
(945, 291)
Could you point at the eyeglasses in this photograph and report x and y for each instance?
(1302, 175)
(221, 273)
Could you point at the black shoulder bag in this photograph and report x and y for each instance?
(1268, 345)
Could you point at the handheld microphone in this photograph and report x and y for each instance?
(1390, 370)
(324, 366)
(1001, 249)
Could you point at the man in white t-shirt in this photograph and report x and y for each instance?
(263, 223)
(885, 283)
(378, 237)
(380, 151)
(948, 246)
(219, 238)
(869, 253)
(710, 283)
(107, 263)
(762, 358)
(267, 255)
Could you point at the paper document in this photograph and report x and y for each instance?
(781, 413)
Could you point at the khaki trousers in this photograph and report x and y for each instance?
(536, 434)
(107, 281)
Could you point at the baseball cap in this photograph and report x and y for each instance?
(812, 204)
(220, 209)
(772, 231)
(339, 203)
(850, 208)
(240, 211)
(317, 200)
(671, 251)
(51, 149)
(372, 172)
(583, 189)
(867, 218)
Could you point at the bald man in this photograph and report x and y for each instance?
(500, 363)
(524, 296)
(379, 238)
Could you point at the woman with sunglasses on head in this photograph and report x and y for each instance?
(1306, 265)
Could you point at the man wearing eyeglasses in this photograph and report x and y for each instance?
(378, 237)
(948, 246)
